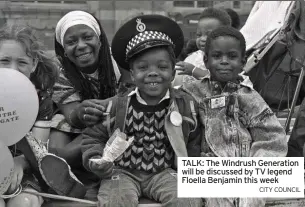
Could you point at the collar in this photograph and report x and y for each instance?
(246, 82)
(141, 100)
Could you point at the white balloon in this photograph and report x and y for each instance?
(7, 168)
(18, 106)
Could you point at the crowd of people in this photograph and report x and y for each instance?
(177, 100)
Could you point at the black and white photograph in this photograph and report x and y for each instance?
(152, 103)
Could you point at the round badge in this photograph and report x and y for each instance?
(176, 118)
(140, 26)
(18, 106)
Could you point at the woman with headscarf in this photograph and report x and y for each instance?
(88, 74)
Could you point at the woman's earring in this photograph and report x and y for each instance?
(65, 54)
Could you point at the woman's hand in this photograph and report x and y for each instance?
(91, 111)
(184, 68)
(20, 164)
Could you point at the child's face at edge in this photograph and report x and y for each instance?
(152, 72)
(205, 26)
(13, 55)
(224, 59)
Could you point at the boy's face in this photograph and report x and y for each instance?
(224, 59)
(205, 26)
(152, 71)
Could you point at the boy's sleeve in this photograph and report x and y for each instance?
(197, 136)
(268, 136)
(94, 141)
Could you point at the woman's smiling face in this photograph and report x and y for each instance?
(81, 45)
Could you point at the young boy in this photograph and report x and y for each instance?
(193, 67)
(161, 119)
(237, 121)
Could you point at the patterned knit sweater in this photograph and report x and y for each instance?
(151, 150)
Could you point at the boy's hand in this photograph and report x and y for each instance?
(185, 68)
(103, 170)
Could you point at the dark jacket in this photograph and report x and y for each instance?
(297, 137)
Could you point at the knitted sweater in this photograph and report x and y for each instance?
(151, 150)
(185, 139)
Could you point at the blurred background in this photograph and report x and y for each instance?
(43, 15)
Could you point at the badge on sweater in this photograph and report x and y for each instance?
(218, 102)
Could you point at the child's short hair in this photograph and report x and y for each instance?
(235, 20)
(219, 14)
(45, 75)
(226, 31)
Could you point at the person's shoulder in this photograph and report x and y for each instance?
(246, 88)
(178, 92)
(251, 101)
(182, 93)
(62, 83)
(185, 101)
(245, 82)
(252, 94)
(62, 75)
(114, 99)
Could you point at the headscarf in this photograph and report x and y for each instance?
(106, 75)
(75, 18)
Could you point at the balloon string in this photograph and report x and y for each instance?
(52, 196)
(58, 197)
(17, 192)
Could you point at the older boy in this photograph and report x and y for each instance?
(237, 121)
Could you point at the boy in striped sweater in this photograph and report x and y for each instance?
(162, 120)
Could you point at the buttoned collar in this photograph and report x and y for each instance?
(141, 100)
(245, 81)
